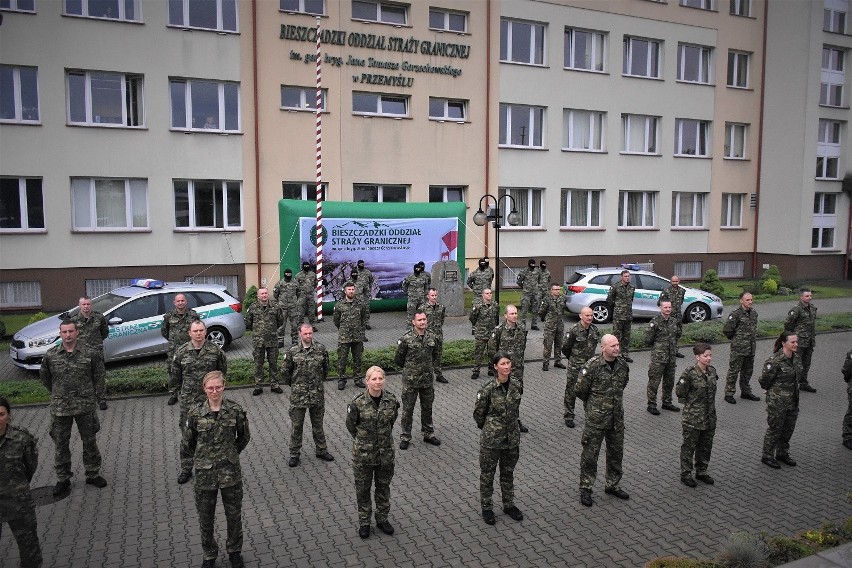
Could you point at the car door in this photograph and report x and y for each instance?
(135, 328)
(648, 290)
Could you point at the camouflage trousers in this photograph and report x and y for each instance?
(366, 301)
(439, 351)
(570, 399)
(529, 304)
(697, 444)
(489, 459)
(782, 413)
(205, 504)
(24, 527)
(661, 371)
(297, 420)
(262, 355)
(592, 440)
(806, 353)
(365, 474)
(174, 388)
(480, 352)
(409, 398)
(343, 350)
(309, 309)
(621, 330)
(553, 342)
(741, 366)
(186, 458)
(60, 431)
(411, 307)
(293, 317)
(847, 420)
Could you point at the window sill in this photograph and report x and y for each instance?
(692, 156)
(649, 154)
(16, 11)
(660, 79)
(380, 23)
(631, 229)
(738, 88)
(509, 147)
(442, 120)
(838, 107)
(111, 231)
(525, 64)
(104, 125)
(827, 179)
(292, 13)
(202, 131)
(583, 151)
(734, 159)
(696, 83)
(196, 230)
(826, 251)
(98, 18)
(711, 10)
(305, 110)
(733, 228)
(523, 229)
(581, 70)
(581, 229)
(390, 116)
(23, 231)
(22, 122)
(445, 31)
(690, 229)
(191, 29)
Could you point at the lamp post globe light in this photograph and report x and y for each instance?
(481, 218)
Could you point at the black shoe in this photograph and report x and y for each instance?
(341, 384)
(403, 445)
(441, 379)
(628, 358)
(172, 400)
(257, 391)
(360, 383)
(679, 355)
(749, 396)
(102, 405)
(236, 559)
(559, 365)
(277, 390)
(545, 366)
(807, 388)
(208, 563)
(488, 516)
(522, 428)
(704, 478)
(474, 376)
(586, 497)
(61, 487)
(847, 444)
(490, 372)
(433, 441)
(786, 459)
(368, 326)
(385, 526)
(617, 492)
(569, 423)
(184, 477)
(325, 456)
(294, 461)
(653, 410)
(514, 513)
(97, 481)
(364, 531)
(730, 399)
(770, 461)
(688, 481)
(534, 327)
(671, 407)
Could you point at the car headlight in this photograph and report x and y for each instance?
(43, 341)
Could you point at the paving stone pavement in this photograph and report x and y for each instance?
(306, 516)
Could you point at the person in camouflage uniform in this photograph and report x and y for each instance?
(550, 312)
(544, 284)
(510, 338)
(216, 433)
(370, 418)
(286, 295)
(661, 336)
(480, 279)
(417, 354)
(781, 377)
(349, 319)
(802, 321)
(484, 319)
(435, 314)
(741, 329)
(847, 419)
(496, 414)
(176, 331)
(601, 388)
(696, 390)
(73, 374)
(675, 294)
(306, 367)
(264, 318)
(364, 289)
(94, 329)
(193, 360)
(529, 282)
(307, 281)
(19, 451)
(578, 347)
(620, 302)
(415, 286)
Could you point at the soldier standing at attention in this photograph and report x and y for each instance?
(364, 289)
(415, 287)
(305, 369)
(510, 339)
(435, 314)
(529, 282)
(802, 321)
(349, 318)
(480, 279)
(176, 330)
(307, 281)
(847, 420)
(416, 354)
(483, 318)
(217, 431)
(93, 328)
(601, 388)
(578, 347)
(781, 377)
(696, 390)
(661, 336)
(550, 313)
(620, 302)
(264, 318)
(741, 329)
(496, 414)
(544, 284)
(370, 418)
(674, 293)
(286, 295)
(73, 374)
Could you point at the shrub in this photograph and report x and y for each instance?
(706, 332)
(711, 283)
(772, 273)
(2, 329)
(676, 562)
(742, 550)
(769, 287)
(782, 549)
(250, 298)
(37, 317)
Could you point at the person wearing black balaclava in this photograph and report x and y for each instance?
(480, 279)
(286, 295)
(415, 287)
(529, 282)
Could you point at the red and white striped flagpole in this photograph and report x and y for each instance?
(319, 292)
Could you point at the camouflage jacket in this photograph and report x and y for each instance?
(620, 300)
(435, 316)
(215, 441)
(579, 345)
(550, 311)
(307, 281)
(18, 464)
(371, 426)
(75, 379)
(264, 321)
(484, 318)
(741, 329)
(673, 294)
(416, 286)
(802, 321)
(479, 280)
(304, 370)
(543, 281)
(512, 341)
(781, 374)
(364, 285)
(697, 392)
(528, 280)
(189, 367)
(661, 337)
(601, 388)
(847, 367)
(176, 327)
(417, 356)
(93, 330)
(286, 294)
(350, 318)
(496, 414)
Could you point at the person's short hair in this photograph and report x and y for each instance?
(84, 297)
(68, 322)
(204, 325)
(306, 324)
(664, 301)
(4, 403)
(416, 312)
(623, 272)
(497, 356)
(743, 293)
(213, 375)
(431, 290)
(700, 348)
(803, 290)
(349, 284)
(558, 285)
(373, 369)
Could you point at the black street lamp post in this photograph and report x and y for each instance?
(494, 215)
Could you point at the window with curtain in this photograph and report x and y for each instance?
(109, 204)
(636, 209)
(527, 202)
(581, 208)
(584, 130)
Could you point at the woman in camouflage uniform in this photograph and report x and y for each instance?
(781, 377)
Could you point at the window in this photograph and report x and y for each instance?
(218, 15)
(521, 126)
(304, 191)
(828, 149)
(584, 50)
(581, 208)
(19, 94)
(302, 98)
(688, 210)
(208, 204)
(738, 69)
(741, 8)
(127, 10)
(380, 12)
(316, 7)
(731, 268)
(109, 204)
(18, 6)
(641, 133)
(21, 205)
(735, 140)
(833, 77)
(446, 20)
(641, 57)
(825, 220)
(229, 281)
(379, 193)
(446, 193)
(527, 202)
(447, 109)
(521, 42)
(700, 4)
(20, 294)
(636, 209)
(693, 63)
(96, 287)
(205, 105)
(688, 269)
(732, 210)
(374, 104)
(691, 137)
(834, 16)
(584, 130)
(105, 99)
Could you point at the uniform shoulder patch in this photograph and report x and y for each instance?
(478, 395)
(768, 366)
(567, 335)
(399, 342)
(651, 324)
(584, 371)
(730, 317)
(792, 312)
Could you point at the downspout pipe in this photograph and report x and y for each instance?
(256, 140)
(760, 139)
